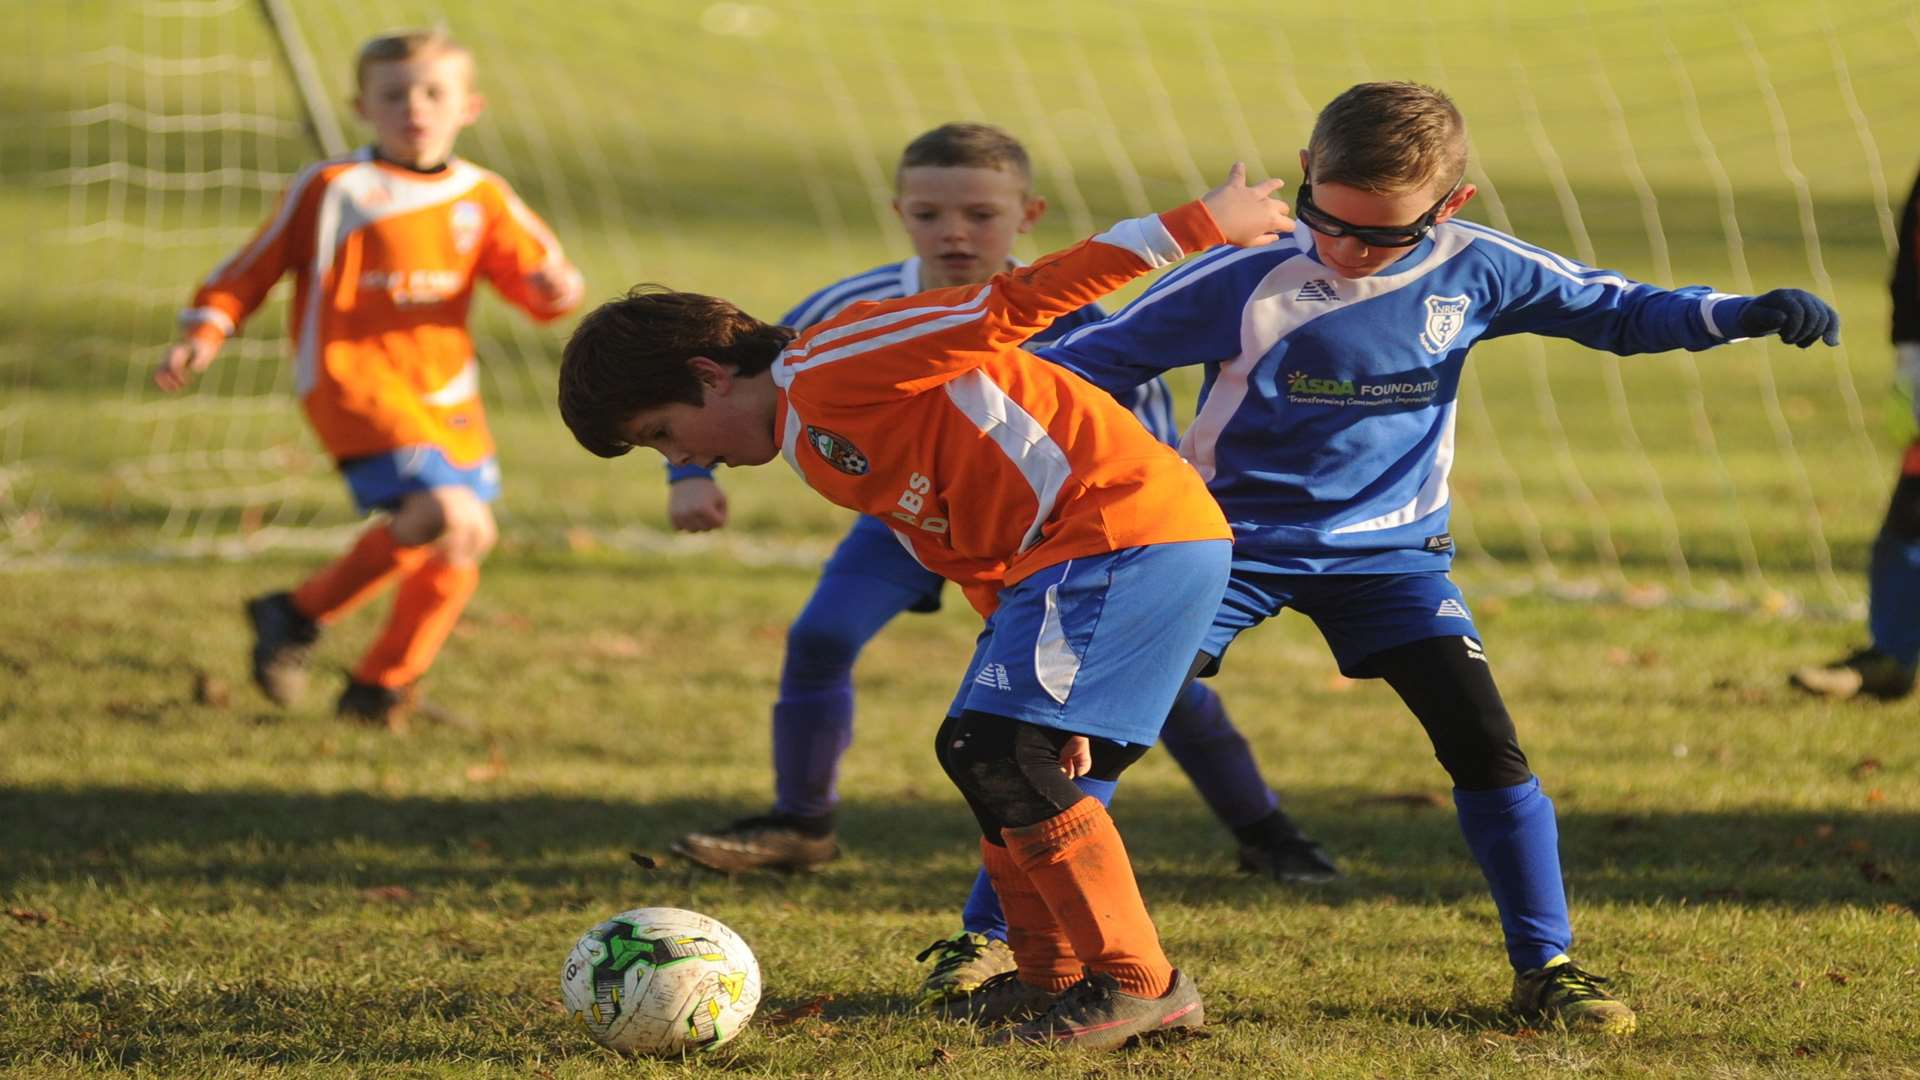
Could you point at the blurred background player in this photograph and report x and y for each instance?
(964, 192)
(1326, 430)
(1885, 668)
(385, 245)
(1093, 551)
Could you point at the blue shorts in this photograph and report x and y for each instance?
(381, 481)
(1360, 615)
(870, 549)
(1098, 645)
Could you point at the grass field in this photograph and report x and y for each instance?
(197, 885)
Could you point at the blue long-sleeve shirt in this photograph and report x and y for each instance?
(1326, 418)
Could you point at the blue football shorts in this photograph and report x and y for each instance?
(381, 481)
(1360, 615)
(1098, 645)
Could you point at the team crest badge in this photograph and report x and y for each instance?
(465, 222)
(1445, 316)
(840, 453)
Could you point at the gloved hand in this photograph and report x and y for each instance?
(1798, 316)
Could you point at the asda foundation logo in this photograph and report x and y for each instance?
(1305, 388)
(1300, 384)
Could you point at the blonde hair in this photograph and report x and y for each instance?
(967, 145)
(1389, 137)
(404, 45)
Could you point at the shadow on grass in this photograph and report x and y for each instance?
(910, 853)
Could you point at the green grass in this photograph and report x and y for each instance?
(218, 880)
(198, 885)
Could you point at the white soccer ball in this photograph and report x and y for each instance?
(661, 981)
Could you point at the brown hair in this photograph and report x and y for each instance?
(976, 146)
(403, 45)
(1389, 137)
(631, 355)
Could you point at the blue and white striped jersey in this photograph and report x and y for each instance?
(1326, 418)
(1150, 400)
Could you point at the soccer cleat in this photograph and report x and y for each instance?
(963, 964)
(1275, 846)
(1868, 672)
(1002, 999)
(1097, 1014)
(1562, 991)
(282, 642)
(390, 707)
(763, 842)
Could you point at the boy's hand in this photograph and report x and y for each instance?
(1076, 757)
(696, 504)
(1248, 216)
(1798, 316)
(182, 360)
(559, 285)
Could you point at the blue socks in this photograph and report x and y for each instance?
(1513, 836)
(1893, 598)
(1216, 758)
(813, 718)
(982, 914)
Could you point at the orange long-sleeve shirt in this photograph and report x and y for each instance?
(384, 260)
(988, 462)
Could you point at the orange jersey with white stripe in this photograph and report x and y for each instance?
(988, 462)
(384, 260)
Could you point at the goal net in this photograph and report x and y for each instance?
(746, 149)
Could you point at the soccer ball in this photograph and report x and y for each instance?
(661, 981)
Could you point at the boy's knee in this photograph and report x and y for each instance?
(454, 519)
(1481, 752)
(818, 641)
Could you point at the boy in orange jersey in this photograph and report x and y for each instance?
(385, 245)
(1093, 551)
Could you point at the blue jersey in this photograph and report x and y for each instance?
(1149, 399)
(1326, 418)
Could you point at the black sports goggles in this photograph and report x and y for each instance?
(1386, 236)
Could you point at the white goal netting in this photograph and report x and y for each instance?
(747, 149)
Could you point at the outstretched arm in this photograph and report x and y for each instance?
(908, 345)
(236, 287)
(1545, 293)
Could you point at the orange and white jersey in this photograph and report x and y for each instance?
(384, 260)
(988, 462)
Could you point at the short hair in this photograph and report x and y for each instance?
(966, 145)
(630, 355)
(1389, 137)
(403, 45)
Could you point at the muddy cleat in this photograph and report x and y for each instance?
(962, 965)
(765, 842)
(390, 707)
(282, 642)
(1097, 1014)
(1002, 999)
(1276, 847)
(1562, 991)
(1867, 672)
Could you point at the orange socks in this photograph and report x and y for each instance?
(352, 579)
(1076, 862)
(1040, 947)
(429, 602)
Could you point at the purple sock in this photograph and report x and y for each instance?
(813, 720)
(1216, 758)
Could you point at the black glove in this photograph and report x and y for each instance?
(1798, 316)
